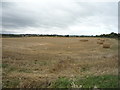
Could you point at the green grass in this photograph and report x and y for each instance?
(61, 83)
(105, 81)
(11, 83)
(4, 65)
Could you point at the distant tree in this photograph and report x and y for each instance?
(66, 35)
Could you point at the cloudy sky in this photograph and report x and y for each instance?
(71, 17)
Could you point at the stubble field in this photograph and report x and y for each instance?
(48, 62)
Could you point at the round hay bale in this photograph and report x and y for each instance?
(103, 40)
(84, 40)
(100, 42)
(106, 45)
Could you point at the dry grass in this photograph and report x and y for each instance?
(36, 59)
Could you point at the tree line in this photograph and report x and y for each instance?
(111, 35)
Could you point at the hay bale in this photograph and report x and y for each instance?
(84, 40)
(106, 45)
(100, 42)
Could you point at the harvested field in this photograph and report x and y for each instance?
(39, 61)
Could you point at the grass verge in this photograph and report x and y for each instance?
(105, 81)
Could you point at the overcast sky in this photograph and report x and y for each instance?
(60, 17)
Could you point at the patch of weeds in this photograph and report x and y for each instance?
(106, 81)
(10, 69)
(85, 68)
(62, 83)
(35, 83)
(42, 63)
(4, 65)
(24, 70)
(10, 83)
(0, 65)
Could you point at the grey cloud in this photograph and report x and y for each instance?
(15, 17)
(57, 14)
